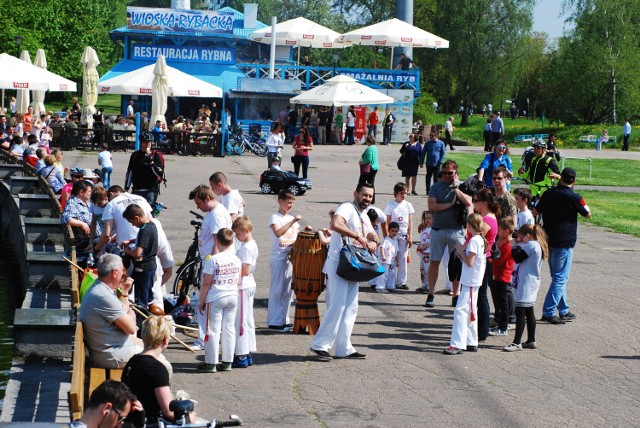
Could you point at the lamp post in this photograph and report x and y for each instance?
(18, 44)
(336, 57)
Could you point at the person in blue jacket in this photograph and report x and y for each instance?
(433, 154)
(498, 157)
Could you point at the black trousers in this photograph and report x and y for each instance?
(500, 303)
(484, 310)
(525, 315)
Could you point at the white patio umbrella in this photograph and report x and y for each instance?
(394, 32)
(340, 91)
(17, 74)
(89, 85)
(140, 82)
(22, 96)
(300, 32)
(38, 96)
(160, 89)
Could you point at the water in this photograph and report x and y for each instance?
(9, 285)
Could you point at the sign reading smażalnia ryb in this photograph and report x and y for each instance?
(173, 20)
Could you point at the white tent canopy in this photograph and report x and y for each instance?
(140, 82)
(17, 74)
(394, 32)
(299, 32)
(340, 91)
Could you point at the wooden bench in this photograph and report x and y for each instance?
(78, 393)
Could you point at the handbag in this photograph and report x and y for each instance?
(402, 162)
(365, 168)
(358, 264)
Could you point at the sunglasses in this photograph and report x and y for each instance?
(448, 172)
(502, 147)
(120, 417)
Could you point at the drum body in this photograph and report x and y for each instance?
(307, 257)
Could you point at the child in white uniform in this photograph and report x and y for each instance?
(284, 232)
(245, 323)
(388, 252)
(401, 211)
(219, 300)
(424, 250)
(379, 222)
(464, 333)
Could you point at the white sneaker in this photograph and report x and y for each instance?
(513, 347)
(497, 332)
(197, 346)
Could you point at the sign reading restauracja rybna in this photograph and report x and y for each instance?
(172, 53)
(173, 20)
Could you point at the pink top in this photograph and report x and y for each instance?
(491, 234)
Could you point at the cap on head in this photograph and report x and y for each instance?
(568, 174)
(77, 171)
(146, 136)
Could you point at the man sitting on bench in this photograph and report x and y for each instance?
(108, 322)
(108, 406)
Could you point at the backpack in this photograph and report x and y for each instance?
(159, 172)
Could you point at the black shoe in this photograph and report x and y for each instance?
(422, 290)
(552, 319)
(322, 355)
(414, 193)
(471, 348)
(430, 301)
(403, 287)
(454, 301)
(354, 356)
(568, 317)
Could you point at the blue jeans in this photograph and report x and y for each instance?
(560, 267)
(348, 136)
(106, 177)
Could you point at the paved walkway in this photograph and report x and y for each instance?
(585, 373)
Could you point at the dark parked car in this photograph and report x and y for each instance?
(274, 181)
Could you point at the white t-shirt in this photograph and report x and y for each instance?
(124, 230)
(281, 247)
(248, 254)
(472, 275)
(130, 111)
(233, 202)
(390, 248)
(448, 126)
(225, 268)
(525, 217)
(356, 221)
(165, 254)
(106, 159)
(424, 247)
(215, 220)
(400, 212)
(377, 225)
(351, 118)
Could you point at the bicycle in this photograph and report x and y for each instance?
(183, 408)
(255, 143)
(188, 275)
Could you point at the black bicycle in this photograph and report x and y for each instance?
(183, 408)
(188, 275)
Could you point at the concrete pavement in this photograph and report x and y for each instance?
(585, 373)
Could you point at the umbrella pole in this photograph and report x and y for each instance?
(391, 64)
(3, 101)
(299, 48)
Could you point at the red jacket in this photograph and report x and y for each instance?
(503, 265)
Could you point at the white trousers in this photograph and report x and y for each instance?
(222, 322)
(401, 257)
(388, 278)
(464, 331)
(280, 292)
(245, 336)
(342, 308)
(424, 270)
(445, 265)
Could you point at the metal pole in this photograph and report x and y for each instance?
(272, 53)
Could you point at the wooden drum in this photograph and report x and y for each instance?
(307, 257)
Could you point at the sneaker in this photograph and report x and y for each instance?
(402, 287)
(497, 332)
(568, 317)
(322, 355)
(197, 346)
(354, 356)
(281, 328)
(250, 359)
(430, 301)
(225, 367)
(513, 347)
(422, 290)
(240, 362)
(552, 319)
(530, 345)
(381, 290)
(511, 326)
(206, 368)
(454, 301)
(471, 348)
(452, 350)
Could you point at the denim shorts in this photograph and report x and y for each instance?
(442, 238)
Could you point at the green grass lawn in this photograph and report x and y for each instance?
(617, 211)
(606, 172)
(109, 103)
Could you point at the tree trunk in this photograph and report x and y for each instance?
(613, 96)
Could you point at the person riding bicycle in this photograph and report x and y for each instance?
(539, 169)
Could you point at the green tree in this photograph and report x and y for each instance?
(485, 47)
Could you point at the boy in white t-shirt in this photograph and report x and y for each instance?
(218, 302)
(245, 323)
(284, 232)
(401, 211)
(388, 251)
(523, 197)
(230, 198)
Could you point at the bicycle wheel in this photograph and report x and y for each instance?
(187, 278)
(260, 149)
